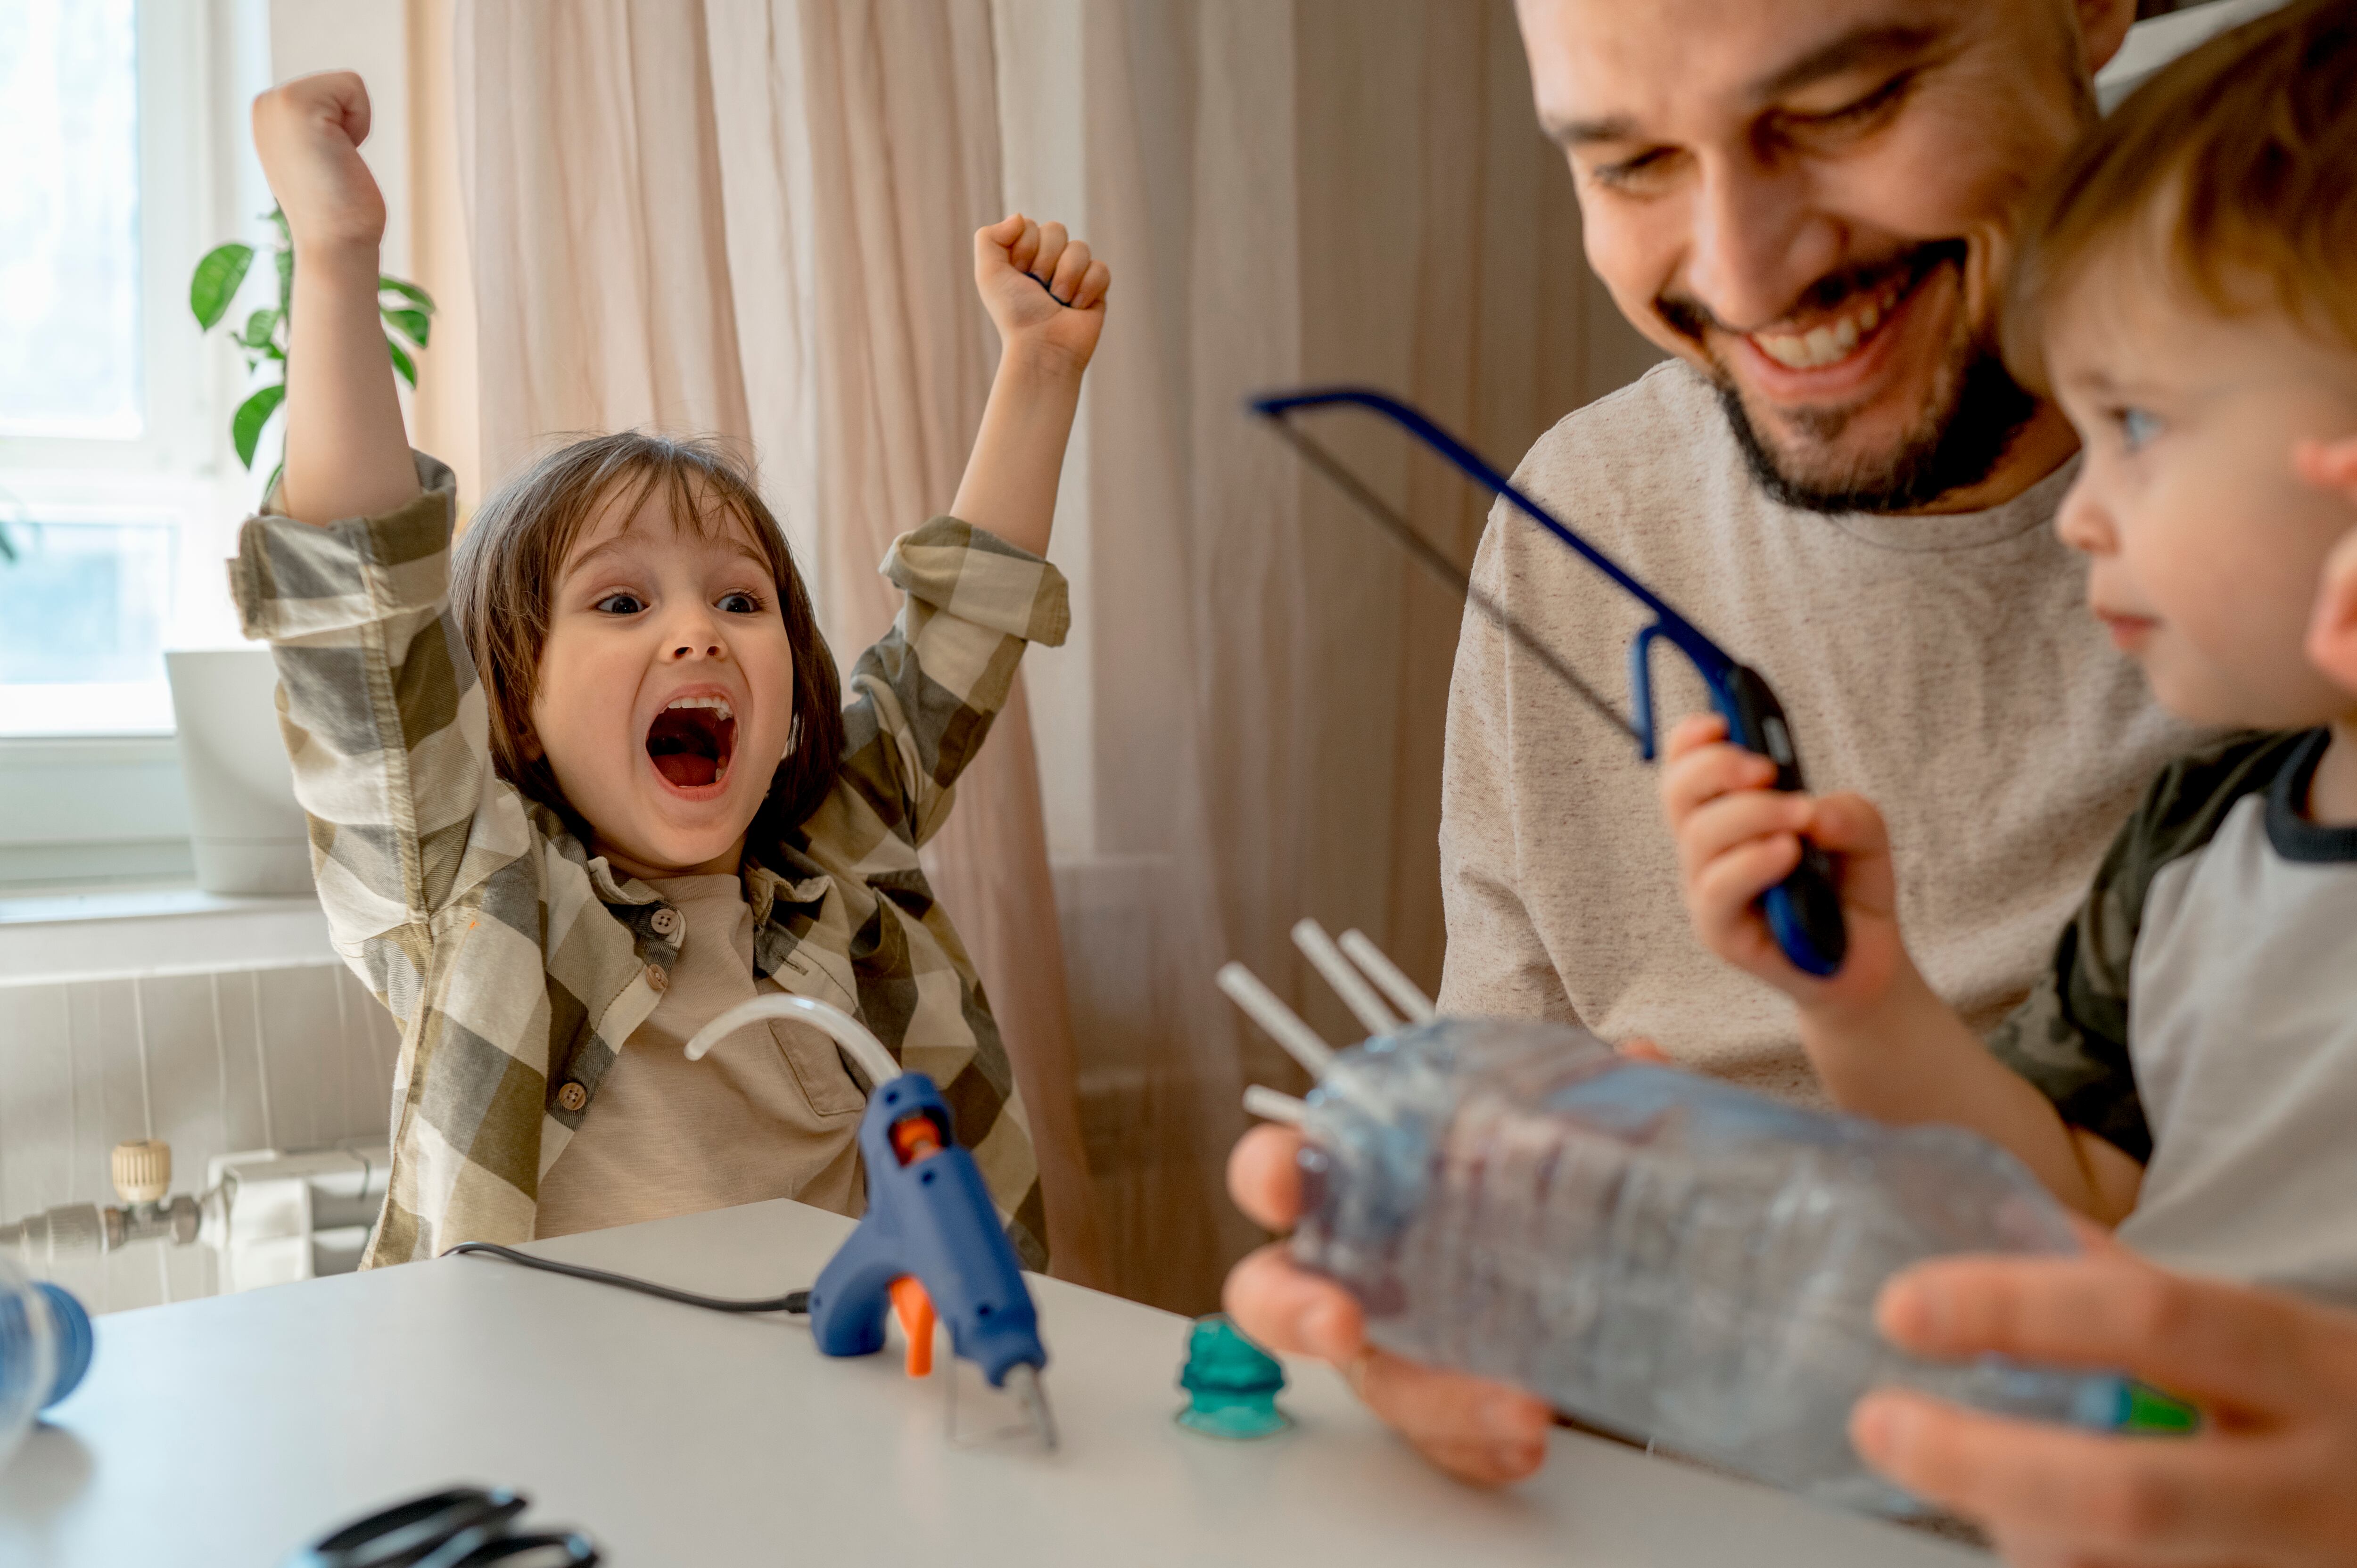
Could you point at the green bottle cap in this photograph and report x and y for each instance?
(2149, 1410)
(1231, 1384)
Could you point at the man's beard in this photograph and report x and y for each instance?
(1976, 411)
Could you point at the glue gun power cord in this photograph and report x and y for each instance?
(794, 1301)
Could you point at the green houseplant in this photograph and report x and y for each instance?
(246, 833)
(407, 309)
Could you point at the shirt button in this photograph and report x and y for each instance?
(658, 977)
(572, 1097)
(665, 922)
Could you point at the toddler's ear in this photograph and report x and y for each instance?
(2332, 629)
(2328, 465)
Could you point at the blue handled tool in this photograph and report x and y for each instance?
(1803, 912)
(930, 1217)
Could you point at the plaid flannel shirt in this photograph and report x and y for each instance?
(517, 964)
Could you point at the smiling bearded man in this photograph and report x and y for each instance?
(1809, 203)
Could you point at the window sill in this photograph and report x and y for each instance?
(100, 932)
(79, 813)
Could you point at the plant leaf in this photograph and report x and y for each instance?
(411, 324)
(403, 365)
(285, 280)
(408, 291)
(7, 546)
(258, 328)
(245, 425)
(215, 282)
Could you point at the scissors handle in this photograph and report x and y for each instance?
(1804, 911)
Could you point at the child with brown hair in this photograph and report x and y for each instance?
(588, 781)
(2188, 1069)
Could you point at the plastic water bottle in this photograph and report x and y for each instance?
(1662, 1255)
(45, 1347)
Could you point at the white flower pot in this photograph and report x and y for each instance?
(248, 835)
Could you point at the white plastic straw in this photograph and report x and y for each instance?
(1270, 1106)
(1300, 1041)
(1356, 994)
(864, 1049)
(1387, 974)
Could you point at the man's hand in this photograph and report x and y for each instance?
(2271, 1479)
(1478, 1430)
(1042, 288)
(308, 133)
(1738, 837)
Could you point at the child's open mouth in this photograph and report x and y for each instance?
(691, 740)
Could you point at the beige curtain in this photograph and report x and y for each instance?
(753, 216)
(754, 219)
(1289, 192)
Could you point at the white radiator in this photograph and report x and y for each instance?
(268, 1217)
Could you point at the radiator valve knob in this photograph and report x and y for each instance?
(142, 1170)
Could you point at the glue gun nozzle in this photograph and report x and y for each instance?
(1023, 1379)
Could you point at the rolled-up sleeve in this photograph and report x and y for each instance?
(384, 720)
(923, 697)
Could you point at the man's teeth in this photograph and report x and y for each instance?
(1823, 345)
(717, 705)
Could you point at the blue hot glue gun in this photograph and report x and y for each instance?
(1803, 912)
(930, 1243)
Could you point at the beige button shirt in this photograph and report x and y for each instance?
(769, 1112)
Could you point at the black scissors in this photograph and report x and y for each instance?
(465, 1527)
(1802, 911)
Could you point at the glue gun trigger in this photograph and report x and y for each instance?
(914, 1309)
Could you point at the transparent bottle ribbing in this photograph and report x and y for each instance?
(1658, 1253)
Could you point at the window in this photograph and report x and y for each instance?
(115, 503)
(69, 361)
(123, 160)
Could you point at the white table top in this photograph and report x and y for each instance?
(232, 1430)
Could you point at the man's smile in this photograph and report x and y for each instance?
(1842, 334)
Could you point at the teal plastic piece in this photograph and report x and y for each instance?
(1231, 1384)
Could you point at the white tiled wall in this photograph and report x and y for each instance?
(291, 1057)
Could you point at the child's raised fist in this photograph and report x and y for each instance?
(309, 133)
(1042, 288)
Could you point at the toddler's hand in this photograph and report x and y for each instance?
(308, 133)
(1042, 288)
(1738, 837)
